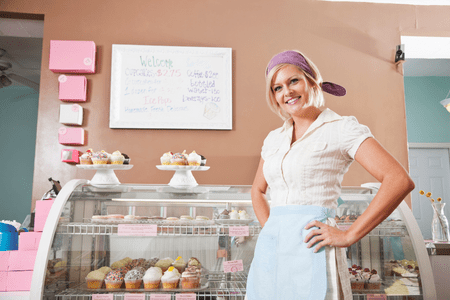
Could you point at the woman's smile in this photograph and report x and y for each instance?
(293, 100)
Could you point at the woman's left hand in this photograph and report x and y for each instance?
(325, 235)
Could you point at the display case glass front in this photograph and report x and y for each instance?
(127, 226)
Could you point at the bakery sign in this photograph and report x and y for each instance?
(167, 87)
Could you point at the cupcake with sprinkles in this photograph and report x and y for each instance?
(179, 159)
(100, 158)
(86, 158)
(114, 280)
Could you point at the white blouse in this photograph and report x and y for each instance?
(310, 171)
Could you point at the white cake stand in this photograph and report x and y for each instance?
(104, 175)
(183, 177)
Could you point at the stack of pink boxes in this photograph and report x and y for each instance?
(16, 267)
(72, 57)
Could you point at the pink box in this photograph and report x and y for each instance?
(71, 136)
(72, 56)
(3, 280)
(19, 281)
(4, 260)
(72, 88)
(29, 241)
(42, 210)
(69, 156)
(22, 260)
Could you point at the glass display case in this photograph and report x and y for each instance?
(82, 235)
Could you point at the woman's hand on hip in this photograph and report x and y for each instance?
(325, 235)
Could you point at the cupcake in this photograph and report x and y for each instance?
(356, 281)
(243, 215)
(126, 160)
(86, 158)
(133, 279)
(203, 160)
(194, 159)
(179, 264)
(234, 215)
(164, 263)
(94, 279)
(179, 159)
(374, 281)
(117, 158)
(152, 261)
(152, 278)
(165, 159)
(114, 280)
(105, 270)
(201, 218)
(224, 215)
(170, 278)
(190, 278)
(194, 262)
(100, 158)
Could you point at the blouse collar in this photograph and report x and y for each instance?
(325, 116)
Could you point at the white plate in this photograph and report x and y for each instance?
(186, 168)
(233, 222)
(105, 167)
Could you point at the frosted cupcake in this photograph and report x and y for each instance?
(374, 281)
(170, 278)
(86, 158)
(179, 159)
(152, 278)
(117, 158)
(105, 270)
(356, 281)
(114, 280)
(164, 263)
(100, 158)
(179, 264)
(194, 262)
(133, 279)
(94, 279)
(194, 159)
(243, 215)
(190, 278)
(234, 215)
(165, 159)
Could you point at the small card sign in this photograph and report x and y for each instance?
(185, 296)
(233, 266)
(102, 296)
(376, 297)
(239, 231)
(160, 296)
(134, 297)
(137, 229)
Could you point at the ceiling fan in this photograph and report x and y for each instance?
(5, 78)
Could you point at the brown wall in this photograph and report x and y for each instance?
(352, 44)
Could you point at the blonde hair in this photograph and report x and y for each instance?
(313, 88)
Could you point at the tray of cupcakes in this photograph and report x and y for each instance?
(154, 274)
(103, 160)
(182, 161)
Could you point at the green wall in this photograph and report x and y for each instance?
(427, 120)
(18, 121)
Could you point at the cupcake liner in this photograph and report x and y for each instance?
(113, 284)
(133, 284)
(190, 283)
(94, 283)
(151, 284)
(173, 284)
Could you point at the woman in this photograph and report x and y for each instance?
(300, 254)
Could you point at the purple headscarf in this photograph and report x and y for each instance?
(295, 58)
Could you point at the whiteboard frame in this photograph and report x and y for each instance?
(120, 49)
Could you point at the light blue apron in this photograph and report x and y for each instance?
(282, 267)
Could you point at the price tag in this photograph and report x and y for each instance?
(233, 266)
(102, 296)
(160, 296)
(134, 297)
(376, 297)
(239, 231)
(185, 296)
(137, 230)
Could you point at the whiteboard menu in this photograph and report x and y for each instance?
(166, 87)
